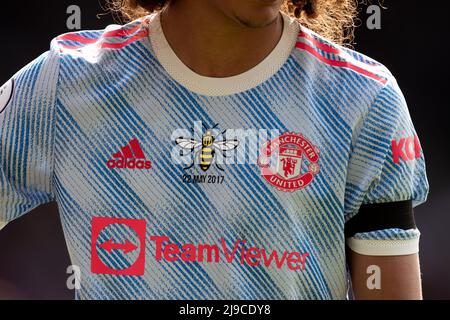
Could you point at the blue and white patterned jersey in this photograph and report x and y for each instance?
(172, 185)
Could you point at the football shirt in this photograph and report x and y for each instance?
(172, 185)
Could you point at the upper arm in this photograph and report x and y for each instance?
(27, 124)
(385, 277)
(383, 246)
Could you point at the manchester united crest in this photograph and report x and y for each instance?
(289, 162)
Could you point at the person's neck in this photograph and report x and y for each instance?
(213, 45)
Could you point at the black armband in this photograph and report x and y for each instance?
(379, 216)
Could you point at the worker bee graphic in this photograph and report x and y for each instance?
(206, 148)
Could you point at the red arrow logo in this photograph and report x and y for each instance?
(127, 247)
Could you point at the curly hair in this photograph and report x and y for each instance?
(332, 19)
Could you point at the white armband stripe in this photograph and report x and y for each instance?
(384, 247)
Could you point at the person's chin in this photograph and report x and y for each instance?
(260, 21)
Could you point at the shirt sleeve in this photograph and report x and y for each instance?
(27, 129)
(387, 165)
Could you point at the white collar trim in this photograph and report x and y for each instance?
(212, 86)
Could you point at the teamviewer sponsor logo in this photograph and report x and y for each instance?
(118, 247)
(130, 156)
(237, 252)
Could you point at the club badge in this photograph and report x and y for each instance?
(289, 162)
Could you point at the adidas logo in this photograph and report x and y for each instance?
(130, 156)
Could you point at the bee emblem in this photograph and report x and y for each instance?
(207, 148)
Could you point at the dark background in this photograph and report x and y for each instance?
(411, 43)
